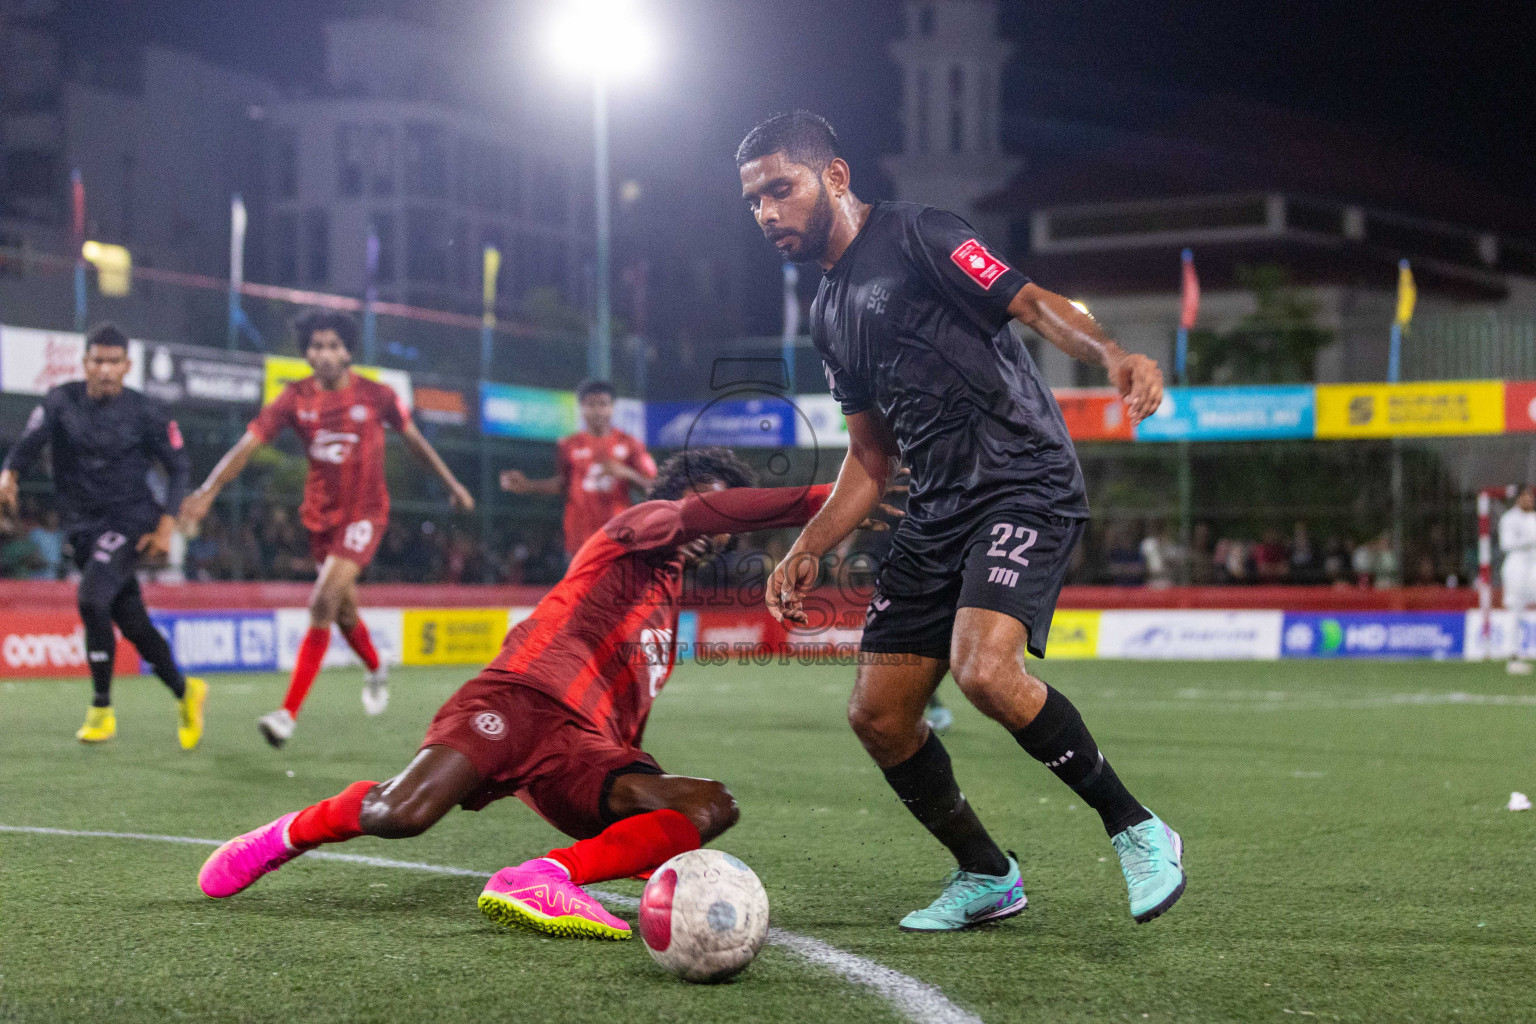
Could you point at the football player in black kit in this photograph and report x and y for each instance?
(913, 321)
(105, 439)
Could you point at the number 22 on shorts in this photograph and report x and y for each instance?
(1002, 533)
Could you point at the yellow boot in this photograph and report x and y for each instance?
(190, 728)
(100, 726)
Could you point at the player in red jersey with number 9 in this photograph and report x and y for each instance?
(340, 416)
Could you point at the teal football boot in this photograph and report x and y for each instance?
(970, 899)
(1152, 859)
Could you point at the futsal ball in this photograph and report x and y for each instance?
(704, 915)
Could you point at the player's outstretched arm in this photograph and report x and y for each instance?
(867, 470)
(1079, 335)
(515, 481)
(22, 454)
(459, 496)
(197, 504)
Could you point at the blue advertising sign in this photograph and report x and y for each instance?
(221, 641)
(764, 421)
(1373, 635)
(1232, 414)
(534, 414)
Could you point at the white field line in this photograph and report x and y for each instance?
(913, 999)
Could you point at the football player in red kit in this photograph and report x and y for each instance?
(597, 467)
(341, 417)
(557, 718)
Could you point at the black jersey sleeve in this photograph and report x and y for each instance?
(164, 440)
(30, 444)
(952, 257)
(845, 387)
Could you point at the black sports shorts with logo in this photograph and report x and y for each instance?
(1008, 559)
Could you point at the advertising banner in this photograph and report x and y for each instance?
(220, 641)
(629, 416)
(1519, 406)
(283, 370)
(44, 644)
(452, 636)
(384, 624)
(34, 362)
(1074, 634)
(1094, 414)
(441, 406)
(1190, 635)
(533, 414)
(1498, 644)
(188, 375)
(821, 423)
(1230, 414)
(1373, 634)
(767, 421)
(1406, 410)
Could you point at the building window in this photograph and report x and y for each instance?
(956, 109)
(384, 228)
(426, 161)
(925, 21)
(317, 246)
(426, 246)
(285, 163)
(379, 152)
(285, 248)
(349, 160)
(923, 90)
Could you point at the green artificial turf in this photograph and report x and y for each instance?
(1348, 850)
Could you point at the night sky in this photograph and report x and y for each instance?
(1452, 81)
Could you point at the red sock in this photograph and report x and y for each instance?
(629, 846)
(362, 643)
(311, 653)
(330, 821)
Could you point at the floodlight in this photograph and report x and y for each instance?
(601, 37)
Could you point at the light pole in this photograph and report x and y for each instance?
(604, 39)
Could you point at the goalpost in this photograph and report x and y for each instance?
(1485, 499)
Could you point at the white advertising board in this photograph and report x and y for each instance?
(386, 625)
(1191, 635)
(33, 362)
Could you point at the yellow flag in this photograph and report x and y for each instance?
(492, 269)
(1407, 294)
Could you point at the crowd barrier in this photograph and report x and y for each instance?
(259, 626)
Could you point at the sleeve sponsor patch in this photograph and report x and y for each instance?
(979, 264)
(173, 432)
(35, 421)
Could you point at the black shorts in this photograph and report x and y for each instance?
(108, 554)
(1007, 559)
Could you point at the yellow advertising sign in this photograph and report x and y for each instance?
(452, 636)
(284, 370)
(1406, 410)
(1074, 634)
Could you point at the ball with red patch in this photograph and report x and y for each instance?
(704, 915)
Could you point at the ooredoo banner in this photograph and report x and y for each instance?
(50, 644)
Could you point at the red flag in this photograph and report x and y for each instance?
(1189, 308)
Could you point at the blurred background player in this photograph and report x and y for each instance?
(912, 321)
(340, 416)
(1517, 539)
(558, 717)
(596, 467)
(106, 438)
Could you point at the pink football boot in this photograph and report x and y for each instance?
(539, 895)
(243, 859)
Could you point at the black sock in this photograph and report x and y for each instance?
(926, 784)
(133, 619)
(100, 649)
(1058, 739)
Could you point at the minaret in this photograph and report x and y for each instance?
(951, 61)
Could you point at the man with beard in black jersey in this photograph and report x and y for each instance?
(105, 439)
(913, 321)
